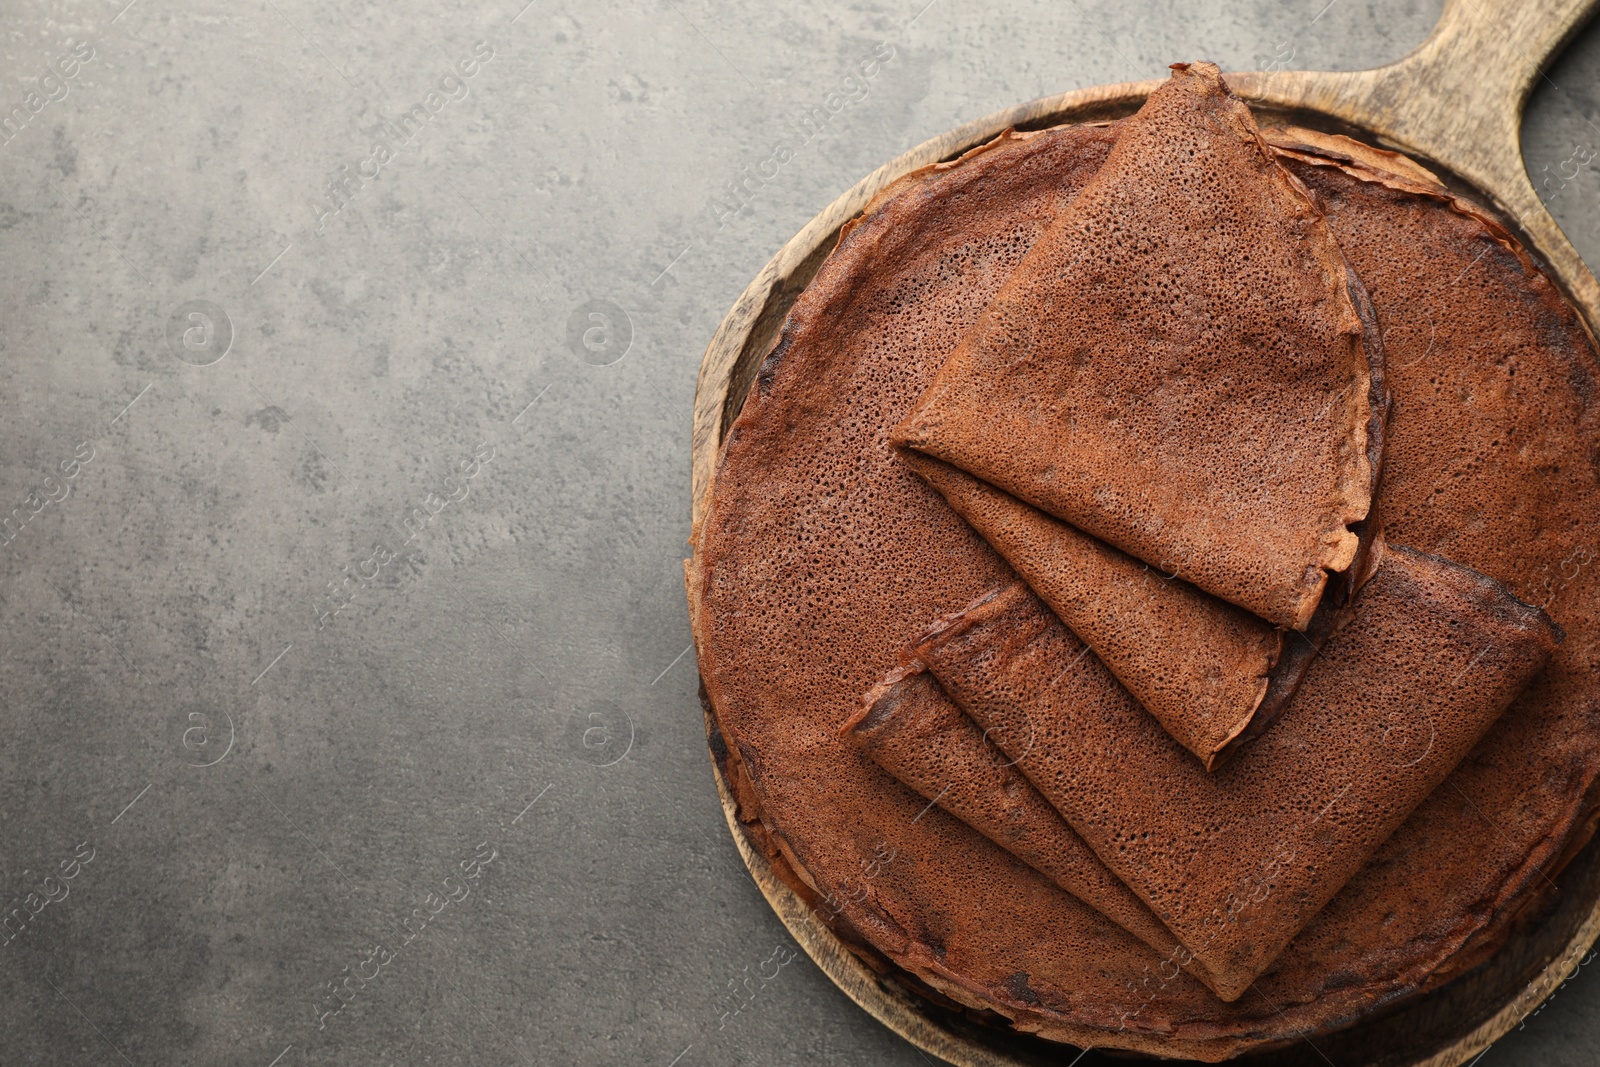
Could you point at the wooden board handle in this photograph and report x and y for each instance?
(1465, 85)
(1480, 63)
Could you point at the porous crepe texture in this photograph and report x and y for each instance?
(1494, 441)
(789, 636)
(910, 728)
(1199, 664)
(1177, 366)
(1481, 350)
(1237, 862)
(802, 598)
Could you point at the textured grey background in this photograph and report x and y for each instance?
(512, 666)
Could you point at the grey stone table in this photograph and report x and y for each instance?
(346, 358)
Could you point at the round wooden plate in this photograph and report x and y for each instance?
(1455, 104)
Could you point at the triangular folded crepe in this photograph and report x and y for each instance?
(914, 731)
(1197, 663)
(1177, 365)
(1237, 862)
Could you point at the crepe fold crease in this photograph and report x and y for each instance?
(910, 728)
(1199, 664)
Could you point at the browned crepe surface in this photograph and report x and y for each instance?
(1468, 308)
(1177, 366)
(1197, 663)
(1236, 863)
(865, 341)
(1491, 461)
(802, 600)
(910, 728)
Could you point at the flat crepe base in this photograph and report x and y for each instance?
(1442, 1030)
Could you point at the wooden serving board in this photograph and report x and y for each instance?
(1455, 104)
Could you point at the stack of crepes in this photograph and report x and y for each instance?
(1144, 601)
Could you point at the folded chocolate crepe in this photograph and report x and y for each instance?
(1177, 367)
(910, 728)
(1238, 862)
(1199, 664)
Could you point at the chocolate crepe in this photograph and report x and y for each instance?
(1177, 365)
(911, 729)
(863, 342)
(1197, 663)
(1238, 862)
(1492, 461)
(801, 598)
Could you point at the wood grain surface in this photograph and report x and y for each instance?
(1455, 103)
